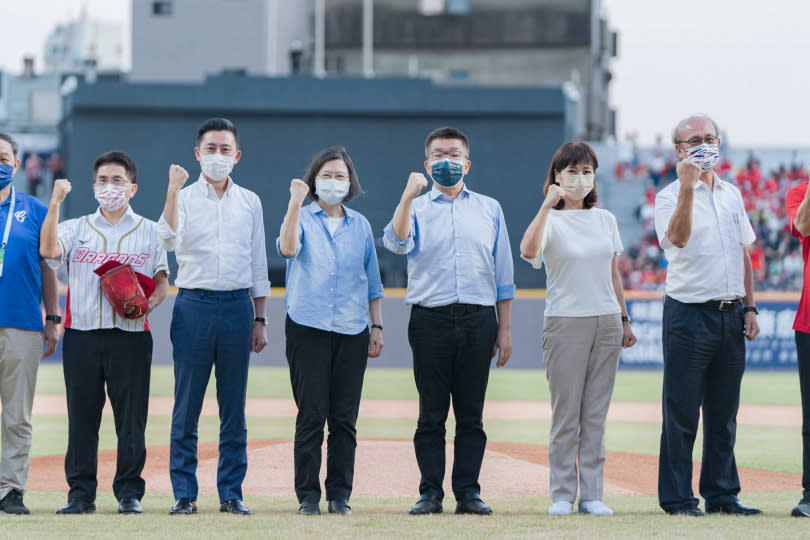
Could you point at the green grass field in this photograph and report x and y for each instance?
(766, 447)
(764, 388)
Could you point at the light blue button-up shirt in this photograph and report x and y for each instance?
(458, 250)
(331, 279)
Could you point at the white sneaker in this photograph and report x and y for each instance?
(561, 508)
(597, 508)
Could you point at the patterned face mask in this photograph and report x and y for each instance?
(704, 155)
(111, 197)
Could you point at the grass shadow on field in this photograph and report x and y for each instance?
(525, 517)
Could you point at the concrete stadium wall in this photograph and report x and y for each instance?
(284, 122)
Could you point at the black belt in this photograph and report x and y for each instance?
(456, 309)
(206, 293)
(721, 305)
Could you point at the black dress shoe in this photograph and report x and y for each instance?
(339, 506)
(473, 505)
(77, 506)
(183, 507)
(426, 505)
(309, 508)
(12, 503)
(129, 505)
(734, 508)
(234, 506)
(693, 511)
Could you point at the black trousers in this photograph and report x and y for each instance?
(803, 354)
(704, 361)
(452, 354)
(122, 361)
(326, 372)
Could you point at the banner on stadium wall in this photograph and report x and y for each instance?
(773, 348)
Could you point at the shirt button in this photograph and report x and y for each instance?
(331, 290)
(330, 305)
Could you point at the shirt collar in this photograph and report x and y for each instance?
(718, 182)
(435, 193)
(99, 219)
(315, 208)
(17, 197)
(207, 189)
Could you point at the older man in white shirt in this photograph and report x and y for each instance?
(708, 311)
(216, 230)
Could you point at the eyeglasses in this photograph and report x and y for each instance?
(694, 141)
(116, 181)
(436, 156)
(340, 176)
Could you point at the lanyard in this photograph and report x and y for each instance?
(7, 231)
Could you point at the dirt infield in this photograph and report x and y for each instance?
(387, 468)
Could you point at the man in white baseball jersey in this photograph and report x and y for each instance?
(101, 347)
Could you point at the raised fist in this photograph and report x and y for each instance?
(554, 195)
(416, 183)
(177, 176)
(298, 191)
(688, 173)
(61, 188)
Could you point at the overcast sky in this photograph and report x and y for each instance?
(744, 62)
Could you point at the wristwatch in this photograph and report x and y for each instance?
(626, 319)
(262, 320)
(55, 318)
(373, 326)
(748, 309)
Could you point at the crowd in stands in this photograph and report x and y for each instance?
(776, 255)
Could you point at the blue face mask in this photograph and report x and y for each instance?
(447, 172)
(5, 175)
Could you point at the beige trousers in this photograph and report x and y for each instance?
(581, 355)
(20, 353)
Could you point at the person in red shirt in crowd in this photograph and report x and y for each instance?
(757, 260)
(798, 208)
(725, 168)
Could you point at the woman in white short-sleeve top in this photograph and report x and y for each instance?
(585, 323)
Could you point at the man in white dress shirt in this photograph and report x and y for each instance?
(708, 311)
(100, 347)
(216, 230)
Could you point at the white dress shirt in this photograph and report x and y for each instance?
(710, 266)
(90, 241)
(219, 243)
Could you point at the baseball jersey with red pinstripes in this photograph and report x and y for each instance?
(90, 241)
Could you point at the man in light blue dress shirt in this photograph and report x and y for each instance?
(460, 273)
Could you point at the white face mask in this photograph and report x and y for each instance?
(331, 191)
(111, 197)
(216, 166)
(576, 186)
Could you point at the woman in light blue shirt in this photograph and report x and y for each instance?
(333, 286)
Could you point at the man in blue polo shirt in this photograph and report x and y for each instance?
(25, 282)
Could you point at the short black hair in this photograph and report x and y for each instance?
(320, 159)
(217, 124)
(118, 158)
(572, 153)
(446, 132)
(14, 146)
